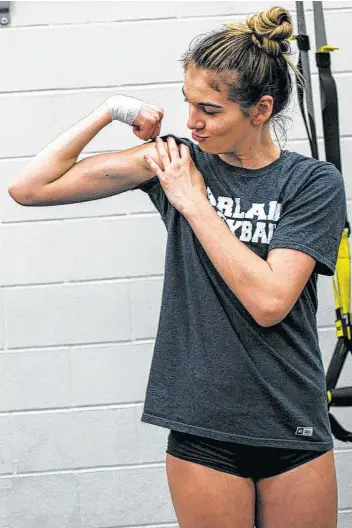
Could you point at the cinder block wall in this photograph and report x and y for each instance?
(80, 284)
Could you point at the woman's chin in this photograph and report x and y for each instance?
(205, 147)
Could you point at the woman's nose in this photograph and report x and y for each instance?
(193, 122)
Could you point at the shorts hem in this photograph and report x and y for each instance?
(205, 463)
(228, 437)
(295, 465)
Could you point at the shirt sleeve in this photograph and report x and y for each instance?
(153, 187)
(313, 218)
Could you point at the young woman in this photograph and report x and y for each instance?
(237, 374)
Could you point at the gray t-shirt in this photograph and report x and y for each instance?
(215, 372)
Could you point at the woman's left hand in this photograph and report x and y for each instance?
(182, 182)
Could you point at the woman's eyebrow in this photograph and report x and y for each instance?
(203, 104)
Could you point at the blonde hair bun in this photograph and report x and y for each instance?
(271, 30)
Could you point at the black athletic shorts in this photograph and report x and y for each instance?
(238, 459)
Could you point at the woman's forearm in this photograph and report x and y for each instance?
(61, 154)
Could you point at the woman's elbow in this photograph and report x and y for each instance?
(270, 314)
(18, 195)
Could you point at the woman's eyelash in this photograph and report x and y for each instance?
(208, 113)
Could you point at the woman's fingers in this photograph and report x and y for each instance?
(141, 133)
(184, 151)
(168, 153)
(163, 152)
(173, 149)
(148, 120)
(156, 131)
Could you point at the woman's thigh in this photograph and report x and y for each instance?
(209, 486)
(304, 497)
(204, 497)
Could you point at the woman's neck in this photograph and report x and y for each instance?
(253, 155)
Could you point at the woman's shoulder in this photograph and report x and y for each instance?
(305, 163)
(295, 166)
(303, 173)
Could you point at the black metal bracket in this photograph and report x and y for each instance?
(4, 13)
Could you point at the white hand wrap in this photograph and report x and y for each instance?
(124, 108)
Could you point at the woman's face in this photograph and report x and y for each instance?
(224, 125)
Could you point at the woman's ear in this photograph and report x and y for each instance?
(262, 110)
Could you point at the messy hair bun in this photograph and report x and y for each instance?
(271, 30)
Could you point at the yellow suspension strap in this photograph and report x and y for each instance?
(341, 396)
(342, 288)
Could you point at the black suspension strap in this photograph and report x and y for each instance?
(303, 67)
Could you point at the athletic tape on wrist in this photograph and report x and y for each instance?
(124, 108)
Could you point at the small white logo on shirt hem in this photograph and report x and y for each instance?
(304, 431)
